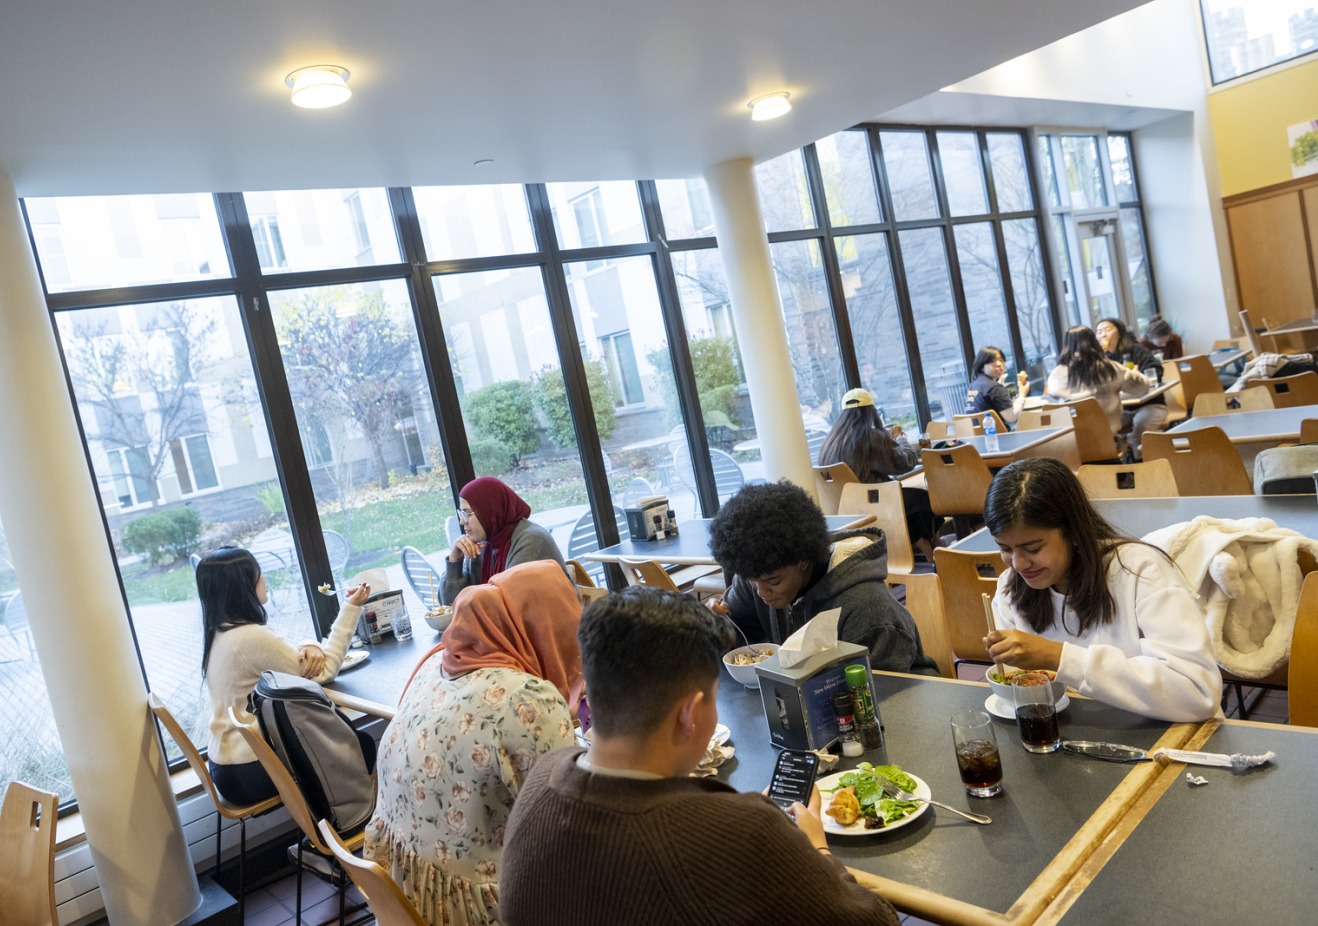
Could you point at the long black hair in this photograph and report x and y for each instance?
(226, 586)
(1087, 367)
(859, 439)
(1044, 493)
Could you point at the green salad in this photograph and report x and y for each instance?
(876, 808)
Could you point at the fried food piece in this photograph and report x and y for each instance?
(845, 809)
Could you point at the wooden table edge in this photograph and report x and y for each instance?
(364, 705)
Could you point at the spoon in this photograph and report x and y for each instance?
(892, 789)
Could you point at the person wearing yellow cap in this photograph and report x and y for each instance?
(877, 454)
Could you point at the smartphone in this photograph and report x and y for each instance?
(793, 778)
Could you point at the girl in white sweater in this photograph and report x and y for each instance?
(1111, 615)
(237, 647)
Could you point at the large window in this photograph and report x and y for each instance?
(1244, 36)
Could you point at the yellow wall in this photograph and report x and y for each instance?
(1250, 122)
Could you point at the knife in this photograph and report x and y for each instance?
(1108, 752)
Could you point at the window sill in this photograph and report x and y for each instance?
(69, 830)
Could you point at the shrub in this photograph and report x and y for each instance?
(551, 399)
(503, 412)
(163, 536)
(490, 458)
(714, 362)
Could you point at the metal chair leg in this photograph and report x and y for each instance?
(297, 916)
(242, 870)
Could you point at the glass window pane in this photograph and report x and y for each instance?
(685, 207)
(1011, 179)
(1137, 264)
(321, 229)
(963, 173)
(982, 281)
(93, 242)
(1123, 171)
(925, 258)
(1084, 171)
(844, 163)
(1049, 166)
(1030, 290)
(784, 193)
(595, 215)
(811, 335)
(876, 327)
(474, 221)
(1098, 261)
(1246, 37)
(906, 161)
(169, 408)
(1067, 259)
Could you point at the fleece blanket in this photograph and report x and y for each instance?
(1248, 577)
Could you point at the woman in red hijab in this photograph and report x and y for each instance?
(498, 534)
(481, 707)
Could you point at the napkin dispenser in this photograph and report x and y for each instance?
(798, 701)
(649, 517)
(379, 613)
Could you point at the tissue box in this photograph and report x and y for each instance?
(641, 524)
(797, 701)
(378, 615)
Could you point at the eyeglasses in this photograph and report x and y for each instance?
(465, 515)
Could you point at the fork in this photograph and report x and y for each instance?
(892, 789)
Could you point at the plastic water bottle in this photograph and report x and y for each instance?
(990, 433)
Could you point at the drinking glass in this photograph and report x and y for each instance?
(1036, 712)
(977, 755)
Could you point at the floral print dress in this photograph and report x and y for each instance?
(450, 765)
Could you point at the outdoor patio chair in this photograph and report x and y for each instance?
(423, 578)
(27, 855)
(583, 540)
(336, 548)
(728, 477)
(16, 624)
(814, 440)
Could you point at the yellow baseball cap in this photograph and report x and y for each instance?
(857, 398)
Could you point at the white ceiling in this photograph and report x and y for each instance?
(122, 96)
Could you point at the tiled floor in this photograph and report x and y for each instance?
(274, 904)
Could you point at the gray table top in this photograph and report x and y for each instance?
(1237, 850)
(1269, 424)
(1140, 516)
(689, 547)
(1009, 443)
(1299, 324)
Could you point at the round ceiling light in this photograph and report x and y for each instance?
(770, 106)
(319, 86)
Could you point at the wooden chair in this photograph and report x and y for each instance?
(884, 501)
(1302, 673)
(297, 808)
(962, 585)
(1093, 435)
(1292, 391)
(1251, 333)
(383, 895)
(924, 599)
(1033, 419)
(225, 810)
(1254, 399)
(939, 430)
(1309, 431)
(972, 425)
(27, 856)
(1151, 479)
(1196, 376)
(578, 574)
(1203, 460)
(648, 573)
(829, 481)
(958, 481)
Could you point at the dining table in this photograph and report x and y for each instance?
(1057, 443)
(1223, 357)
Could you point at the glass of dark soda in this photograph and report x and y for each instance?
(977, 753)
(1036, 712)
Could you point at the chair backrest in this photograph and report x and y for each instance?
(1292, 391)
(972, 425)
(336, 548)
(728, 477)
(957, 478)
(963, 585)
(1196, 375)
(1203, 461)
(884, 501)
(1302, 676)
(583, 540)
(1033, 419)
(1309, 431)
(1152, 479)
(383, 895)
(829, 481)
(27, 855)
(648, 573)
(1251, 333)
(1254, 399)
(636, 490)
(452, 529)
(424, 579)
(924, 600)
(939, 430)
(1093, 434)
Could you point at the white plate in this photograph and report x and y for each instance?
(830, 782)
(354, 659)
(1001, 707)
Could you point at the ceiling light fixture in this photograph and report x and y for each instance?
(770, 106)
(319, 86)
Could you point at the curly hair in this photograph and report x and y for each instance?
(764, 528)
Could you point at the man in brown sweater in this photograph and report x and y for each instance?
(621, 834)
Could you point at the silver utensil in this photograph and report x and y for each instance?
(892, 789)
(1108, 752)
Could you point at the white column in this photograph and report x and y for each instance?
(759, 318)
(57, 540)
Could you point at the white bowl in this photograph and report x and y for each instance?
(439, 621)
(746, 674)
(1004, 691)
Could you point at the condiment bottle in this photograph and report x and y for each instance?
(844, 710)
(867, 718)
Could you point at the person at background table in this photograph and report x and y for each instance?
(1120, 345)
(1084, 370)
(987, 391)
(1159, 337)
(497, 534)
(479, 709)
(1111, 615)
(237, 647)
(876, 454)
(620, 832)
(786, 567)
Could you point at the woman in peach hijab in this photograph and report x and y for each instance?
(478, 711)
